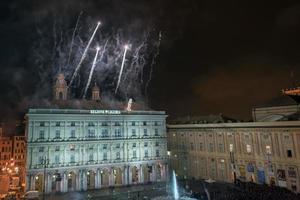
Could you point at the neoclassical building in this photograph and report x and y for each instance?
(265, 152)
(81, 149)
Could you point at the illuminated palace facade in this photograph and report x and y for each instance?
(74, 150)
(266, 151)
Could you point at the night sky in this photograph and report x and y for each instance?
(216, 56)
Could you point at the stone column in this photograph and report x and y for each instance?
(129, 175)
(84, 180)
(141, 174)
(97, 184)
(48, 183)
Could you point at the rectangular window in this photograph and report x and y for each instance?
(57, 134)
(134, 154)
(133, 132)
(118, 133)
(42, 123)
(157, 153)
(155, 123)
(118, 146)
(144, 123)
(146, 153)
(145, 144)
(211, 147)
(132, 123)
(156, 144)
(104, 133)
(57, 148)
(91, 124)
(72, 133)
(118, 155)
(91, 133)
(104, 146)
(117, 124)
(231, 147)
(104, 124)
(57, 124)
(41, 149)
(248, 148)
(42, 134)
(156, 132)
(72, 158)
(41, 159)
(192, 146)
(134, 145)
(289, 153)
(56, 159)
(72, 123)
(268, 149)
(72, 147)
(145, 132)
(104, 156)
(201, 146)
(221, 147)
(91, 157)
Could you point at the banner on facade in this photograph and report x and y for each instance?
(281, 178)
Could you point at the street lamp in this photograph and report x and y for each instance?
(45, 162)
(231, 153)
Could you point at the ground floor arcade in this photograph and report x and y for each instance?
(95, 177)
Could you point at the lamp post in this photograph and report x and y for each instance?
(45, 162)
(231, 154)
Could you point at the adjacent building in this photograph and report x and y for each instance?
(265, 151)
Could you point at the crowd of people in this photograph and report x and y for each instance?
(241, 191)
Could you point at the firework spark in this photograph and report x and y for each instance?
(122, 66)
(84, 53)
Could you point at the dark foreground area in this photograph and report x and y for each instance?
(240, 191)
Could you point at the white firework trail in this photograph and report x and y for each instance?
(122, 66)
(73, 36)
(153, 63)
(84, 53)
(91, 72)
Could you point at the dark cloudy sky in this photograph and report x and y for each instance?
(216, 56)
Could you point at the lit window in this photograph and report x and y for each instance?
(268, 149)
(231, 147)
(248, 148)
(72, 147)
